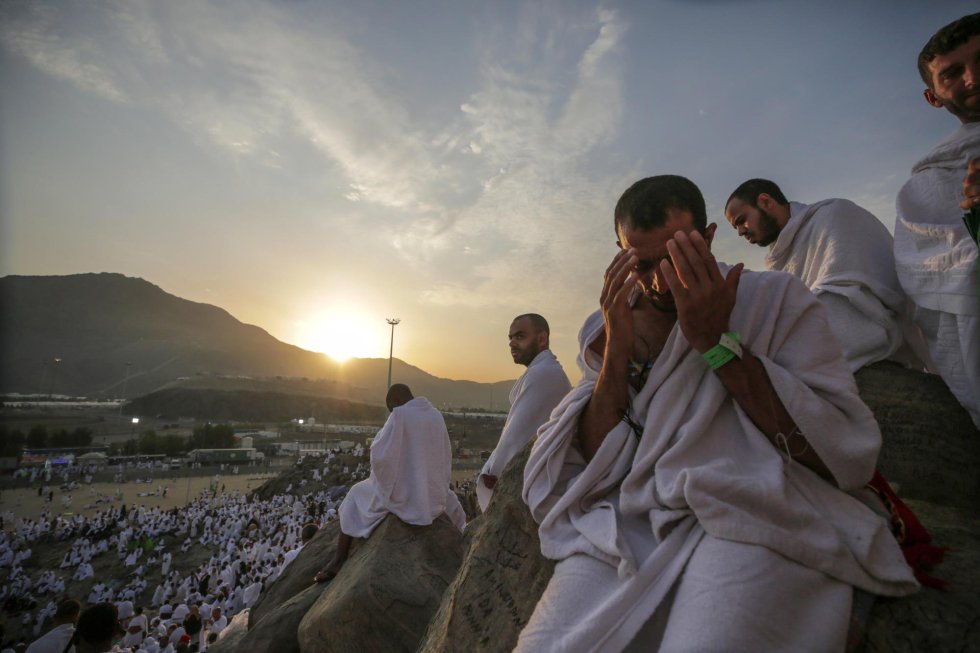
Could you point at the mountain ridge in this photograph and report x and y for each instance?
(116, 335)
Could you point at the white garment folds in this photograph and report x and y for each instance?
(937, 264)
(411, 468)
(703, 470)
(844, 256)
(533, 397)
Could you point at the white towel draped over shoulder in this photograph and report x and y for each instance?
(702, 466)
(411, 468)
(937, 263)
(844, 256)
(532, 399)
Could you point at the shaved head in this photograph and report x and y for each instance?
(398, 395)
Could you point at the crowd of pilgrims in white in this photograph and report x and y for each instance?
(251, 541)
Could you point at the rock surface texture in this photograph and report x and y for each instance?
(502, 576)
(931, 449)
(298, 576)
(387, 592)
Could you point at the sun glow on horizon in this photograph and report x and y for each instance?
(341, 335)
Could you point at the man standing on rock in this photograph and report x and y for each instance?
(411, 468)
(532, 398)
(935, 255)
(694, 486)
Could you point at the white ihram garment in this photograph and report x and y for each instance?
(703, 475)
(411, 468)
(532, 399)
(937, 263)
(844, 256)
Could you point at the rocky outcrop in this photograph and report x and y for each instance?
(387, 592)
(931, 449)
(935, 620)
(299, 478)
(278, 629)
(501, 579)
(298, 576)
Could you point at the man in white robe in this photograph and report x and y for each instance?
(56, 640)
(694, 485)
(218, 620)
(843, 254)
(935, 255)
(411, 469)
(532, 398)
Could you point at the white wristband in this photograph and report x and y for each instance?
(731, 344)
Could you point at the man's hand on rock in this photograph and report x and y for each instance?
(704, 298)
(489, 480)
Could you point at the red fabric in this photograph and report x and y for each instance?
(920, 554)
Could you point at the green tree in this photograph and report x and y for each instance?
(81, 437)
(170, 445)
(11, 442)
(59, 438)
(212, 436)
(37, 437)
(148, 443)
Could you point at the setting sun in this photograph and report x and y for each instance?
(342, 335)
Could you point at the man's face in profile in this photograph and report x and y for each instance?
(754, 224)
(525, 341)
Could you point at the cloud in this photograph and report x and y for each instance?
(35, 31)
(506, 188)
(540, 195)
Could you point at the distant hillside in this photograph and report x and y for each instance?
(251, 405)
(117, 335)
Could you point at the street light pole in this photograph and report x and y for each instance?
(392, 321)
(54, 377)
(129, 364)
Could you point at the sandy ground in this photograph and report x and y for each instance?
(24, 502)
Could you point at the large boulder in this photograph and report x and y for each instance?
(502, 576)
(278, 629)
(298, 576)
(387, 592)
(935, 620)
(931, 449)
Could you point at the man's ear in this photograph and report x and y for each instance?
(619, 244)
(931, 98)
(709, 233)
(764, 201)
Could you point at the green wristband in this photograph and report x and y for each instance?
(720, 353)
(718, 356)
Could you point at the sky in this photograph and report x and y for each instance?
(317, 167)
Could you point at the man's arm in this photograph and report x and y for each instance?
(705, 301)
(610, 397)
(748, 384)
